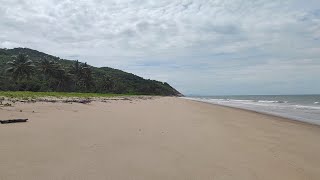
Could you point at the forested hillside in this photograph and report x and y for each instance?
(23, 69)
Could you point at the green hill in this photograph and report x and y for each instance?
(50, 73)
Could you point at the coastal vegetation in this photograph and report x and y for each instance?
(23, 69)
(33, 95)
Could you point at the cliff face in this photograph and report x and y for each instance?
(95, 79)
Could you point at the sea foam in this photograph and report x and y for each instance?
(293, 107)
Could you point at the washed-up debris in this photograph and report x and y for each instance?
(13, 121)
(82, 101)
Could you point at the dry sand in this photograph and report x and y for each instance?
(163, 138)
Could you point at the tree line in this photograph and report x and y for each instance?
(49, 75)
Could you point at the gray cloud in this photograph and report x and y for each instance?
(217, 45)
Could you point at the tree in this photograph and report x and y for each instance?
(75, 68)
(75, 71)
(48, 68)
(85, 73)
(107, 83)
(82, 73)
(21, 67)
(63, 78)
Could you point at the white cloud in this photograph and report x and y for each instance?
(209, 40)
(9, 44)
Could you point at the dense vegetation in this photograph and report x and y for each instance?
(23, 69)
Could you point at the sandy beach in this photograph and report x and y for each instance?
(159, 138)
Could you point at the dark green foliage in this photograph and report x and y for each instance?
(23, 69)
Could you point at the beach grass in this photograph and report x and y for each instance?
(29, 94)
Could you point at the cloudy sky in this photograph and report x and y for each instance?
(200, 47)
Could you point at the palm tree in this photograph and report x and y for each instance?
(82, 73)
(75, 71)
(21, 67)
(63, 77)
(86, 75)
(48, 68)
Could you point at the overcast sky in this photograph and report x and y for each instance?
(203, 47)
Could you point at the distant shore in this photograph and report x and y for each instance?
(153, 138)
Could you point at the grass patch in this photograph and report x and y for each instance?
(29, 94)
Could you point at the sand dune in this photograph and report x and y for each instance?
(160, 138)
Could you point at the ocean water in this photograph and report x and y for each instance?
(297, 107)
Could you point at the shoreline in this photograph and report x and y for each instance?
(291, 119)
(88, 100)
(83, 100)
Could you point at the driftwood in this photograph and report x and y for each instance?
(13, 121)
